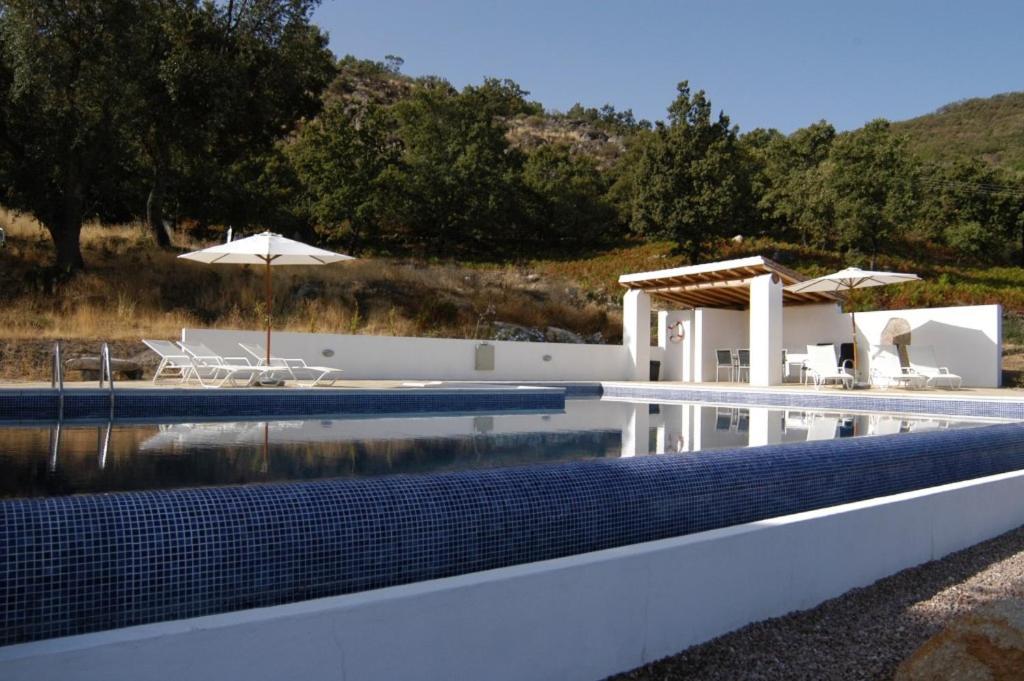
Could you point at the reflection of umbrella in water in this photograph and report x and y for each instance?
(844, 281)
(266, 249)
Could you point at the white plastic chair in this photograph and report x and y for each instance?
(325, 376)
(886, 370)
(922, 360)
(822, 366)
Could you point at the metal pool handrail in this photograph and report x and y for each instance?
(57, 379)
(107, 373)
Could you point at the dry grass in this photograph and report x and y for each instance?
(132, 290)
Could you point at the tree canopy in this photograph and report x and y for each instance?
(208, 113)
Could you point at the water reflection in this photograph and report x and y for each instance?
(65, 459)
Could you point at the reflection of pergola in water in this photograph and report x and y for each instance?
(755, 284)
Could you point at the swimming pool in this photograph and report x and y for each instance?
(58, 459)
(361, 501)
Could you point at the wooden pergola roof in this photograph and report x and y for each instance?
(723, 284)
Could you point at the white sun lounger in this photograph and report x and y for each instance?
(213, 370)
(174, 362)
(822, 367)
(294, 367)
(886, 370)
(922, 360)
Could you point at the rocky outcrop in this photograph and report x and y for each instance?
(987, 645)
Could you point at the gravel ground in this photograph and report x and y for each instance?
(863, 634)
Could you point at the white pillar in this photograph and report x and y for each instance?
(765, 426)
(636, 333)
(697, 348)
(636, 431)
(766, 330)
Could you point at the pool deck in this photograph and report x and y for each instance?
(1015, 394)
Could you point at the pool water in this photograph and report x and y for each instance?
(70, 459)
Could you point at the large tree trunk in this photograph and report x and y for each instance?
(65, 226)
(155, 213)
(66, 232)
(155, 201)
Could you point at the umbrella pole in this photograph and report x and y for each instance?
(853, 328)
(269, 303)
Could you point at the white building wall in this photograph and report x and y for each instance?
(390, 357)
(804, 325)
(714, 329)
(676, 356)
(578, 618)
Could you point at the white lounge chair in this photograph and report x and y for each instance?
(922, 361)
(822, 367)
(173, 360)
(886, 370)
(822, 427)
(213, 370)
(293, 366)
(885, 425)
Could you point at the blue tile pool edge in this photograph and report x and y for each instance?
(92, 562)
(91, 404)
(826, 399)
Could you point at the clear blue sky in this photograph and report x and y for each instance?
(781, 64)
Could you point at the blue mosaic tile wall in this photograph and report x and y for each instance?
(79, 404)
(84, 563)
(828, 398)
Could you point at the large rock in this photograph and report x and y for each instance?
(986, 645)
(557, 335)
(90, 367)
(896, 332)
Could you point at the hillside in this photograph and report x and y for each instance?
(990, 128)
(134, 290)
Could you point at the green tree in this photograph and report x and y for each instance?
(66, 71)
(792, 192)
(569, 191)
(688, 184)
(224, 81)
(458, 181)
(99, 98)
(871, 180)
(972, 206)
(340, 158)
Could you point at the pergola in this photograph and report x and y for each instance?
(756, 284)
(723, 284)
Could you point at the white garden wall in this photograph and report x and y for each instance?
(967, 339)
(390, 357)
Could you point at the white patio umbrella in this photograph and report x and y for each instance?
(844, 281)
(267, 249)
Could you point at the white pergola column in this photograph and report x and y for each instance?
(765, 426)
(636, 431)
(766, 330)
(636, 333)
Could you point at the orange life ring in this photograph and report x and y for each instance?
(676, 332)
